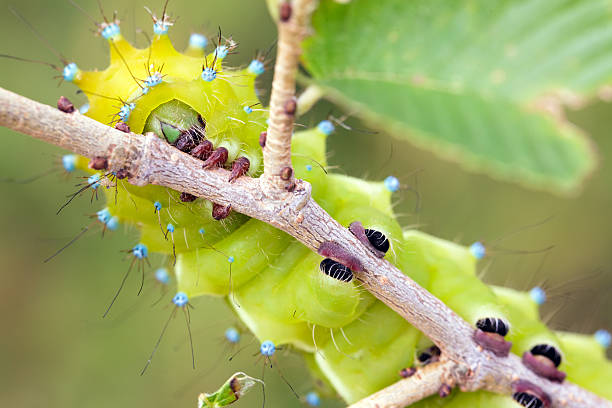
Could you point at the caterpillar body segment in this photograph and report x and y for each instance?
(586, 363)
(413, 260)
(464, 293)
(440, 254)
(372, 347)
(204, 271)
(518, 301)
(527, 329)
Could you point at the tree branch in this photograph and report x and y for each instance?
(289, 207)
(292, 29)
(425, 382)
(149, 160)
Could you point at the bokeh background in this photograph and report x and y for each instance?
(57, 351)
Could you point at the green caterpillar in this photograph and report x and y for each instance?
(351, 341)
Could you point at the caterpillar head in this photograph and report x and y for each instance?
(184, 98)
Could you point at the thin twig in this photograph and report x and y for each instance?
(149, 160)
(292, 29)
(311, 95)
(426, 381)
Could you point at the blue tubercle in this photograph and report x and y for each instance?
(180, 299)
(478, 250)
(162, 276)
(221, 51)
(104, 215)
(256, 67)
(197, 40)
(110, 31)
(392, 184)
(308, 167)
(69, 162)
(248, 109)
(313, 399)
(232, 335)
(230, 259)
(125, 110)
(112, 224)
(603, 337)
(84, 108)
(94, 181)
(267, 348)
(538, 295)
(157, 205)
(209, 74)
(202, 231)
(161, 27)
(140, 251)
(326, 127)
(151, 81)
(70, 72)
(170, 228)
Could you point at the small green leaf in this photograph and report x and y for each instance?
(473, 80)
(233, 389)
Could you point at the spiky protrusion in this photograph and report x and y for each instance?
(144, 77)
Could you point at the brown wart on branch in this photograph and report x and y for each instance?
(216, 159)
(445, 390)
(530, 395)
(240, 166)
(98, 163)
(187, 198)
(284, 11)
(221, 212)
(122, 126)
(543, 360)
(490, 333)
(203, 150)
(291, 106)
(407, 372)
(286, 173)
(64, 105)
(374, 240)
(337, 252)
(429, 356)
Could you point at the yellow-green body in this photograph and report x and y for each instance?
(354, 341)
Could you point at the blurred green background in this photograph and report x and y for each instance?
(57, 351)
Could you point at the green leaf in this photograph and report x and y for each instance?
(480, 82)
(233, 389)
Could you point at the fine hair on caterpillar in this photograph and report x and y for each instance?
(102, 217)
(180, 301)
(64, 164)
(480, 249)
(68, 70)
(94, 182)
(140, 254)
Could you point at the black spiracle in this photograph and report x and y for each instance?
(547, 351)
(378, 240)
(432, 354)
(528, 400)
(493, 325)
(336, 270)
